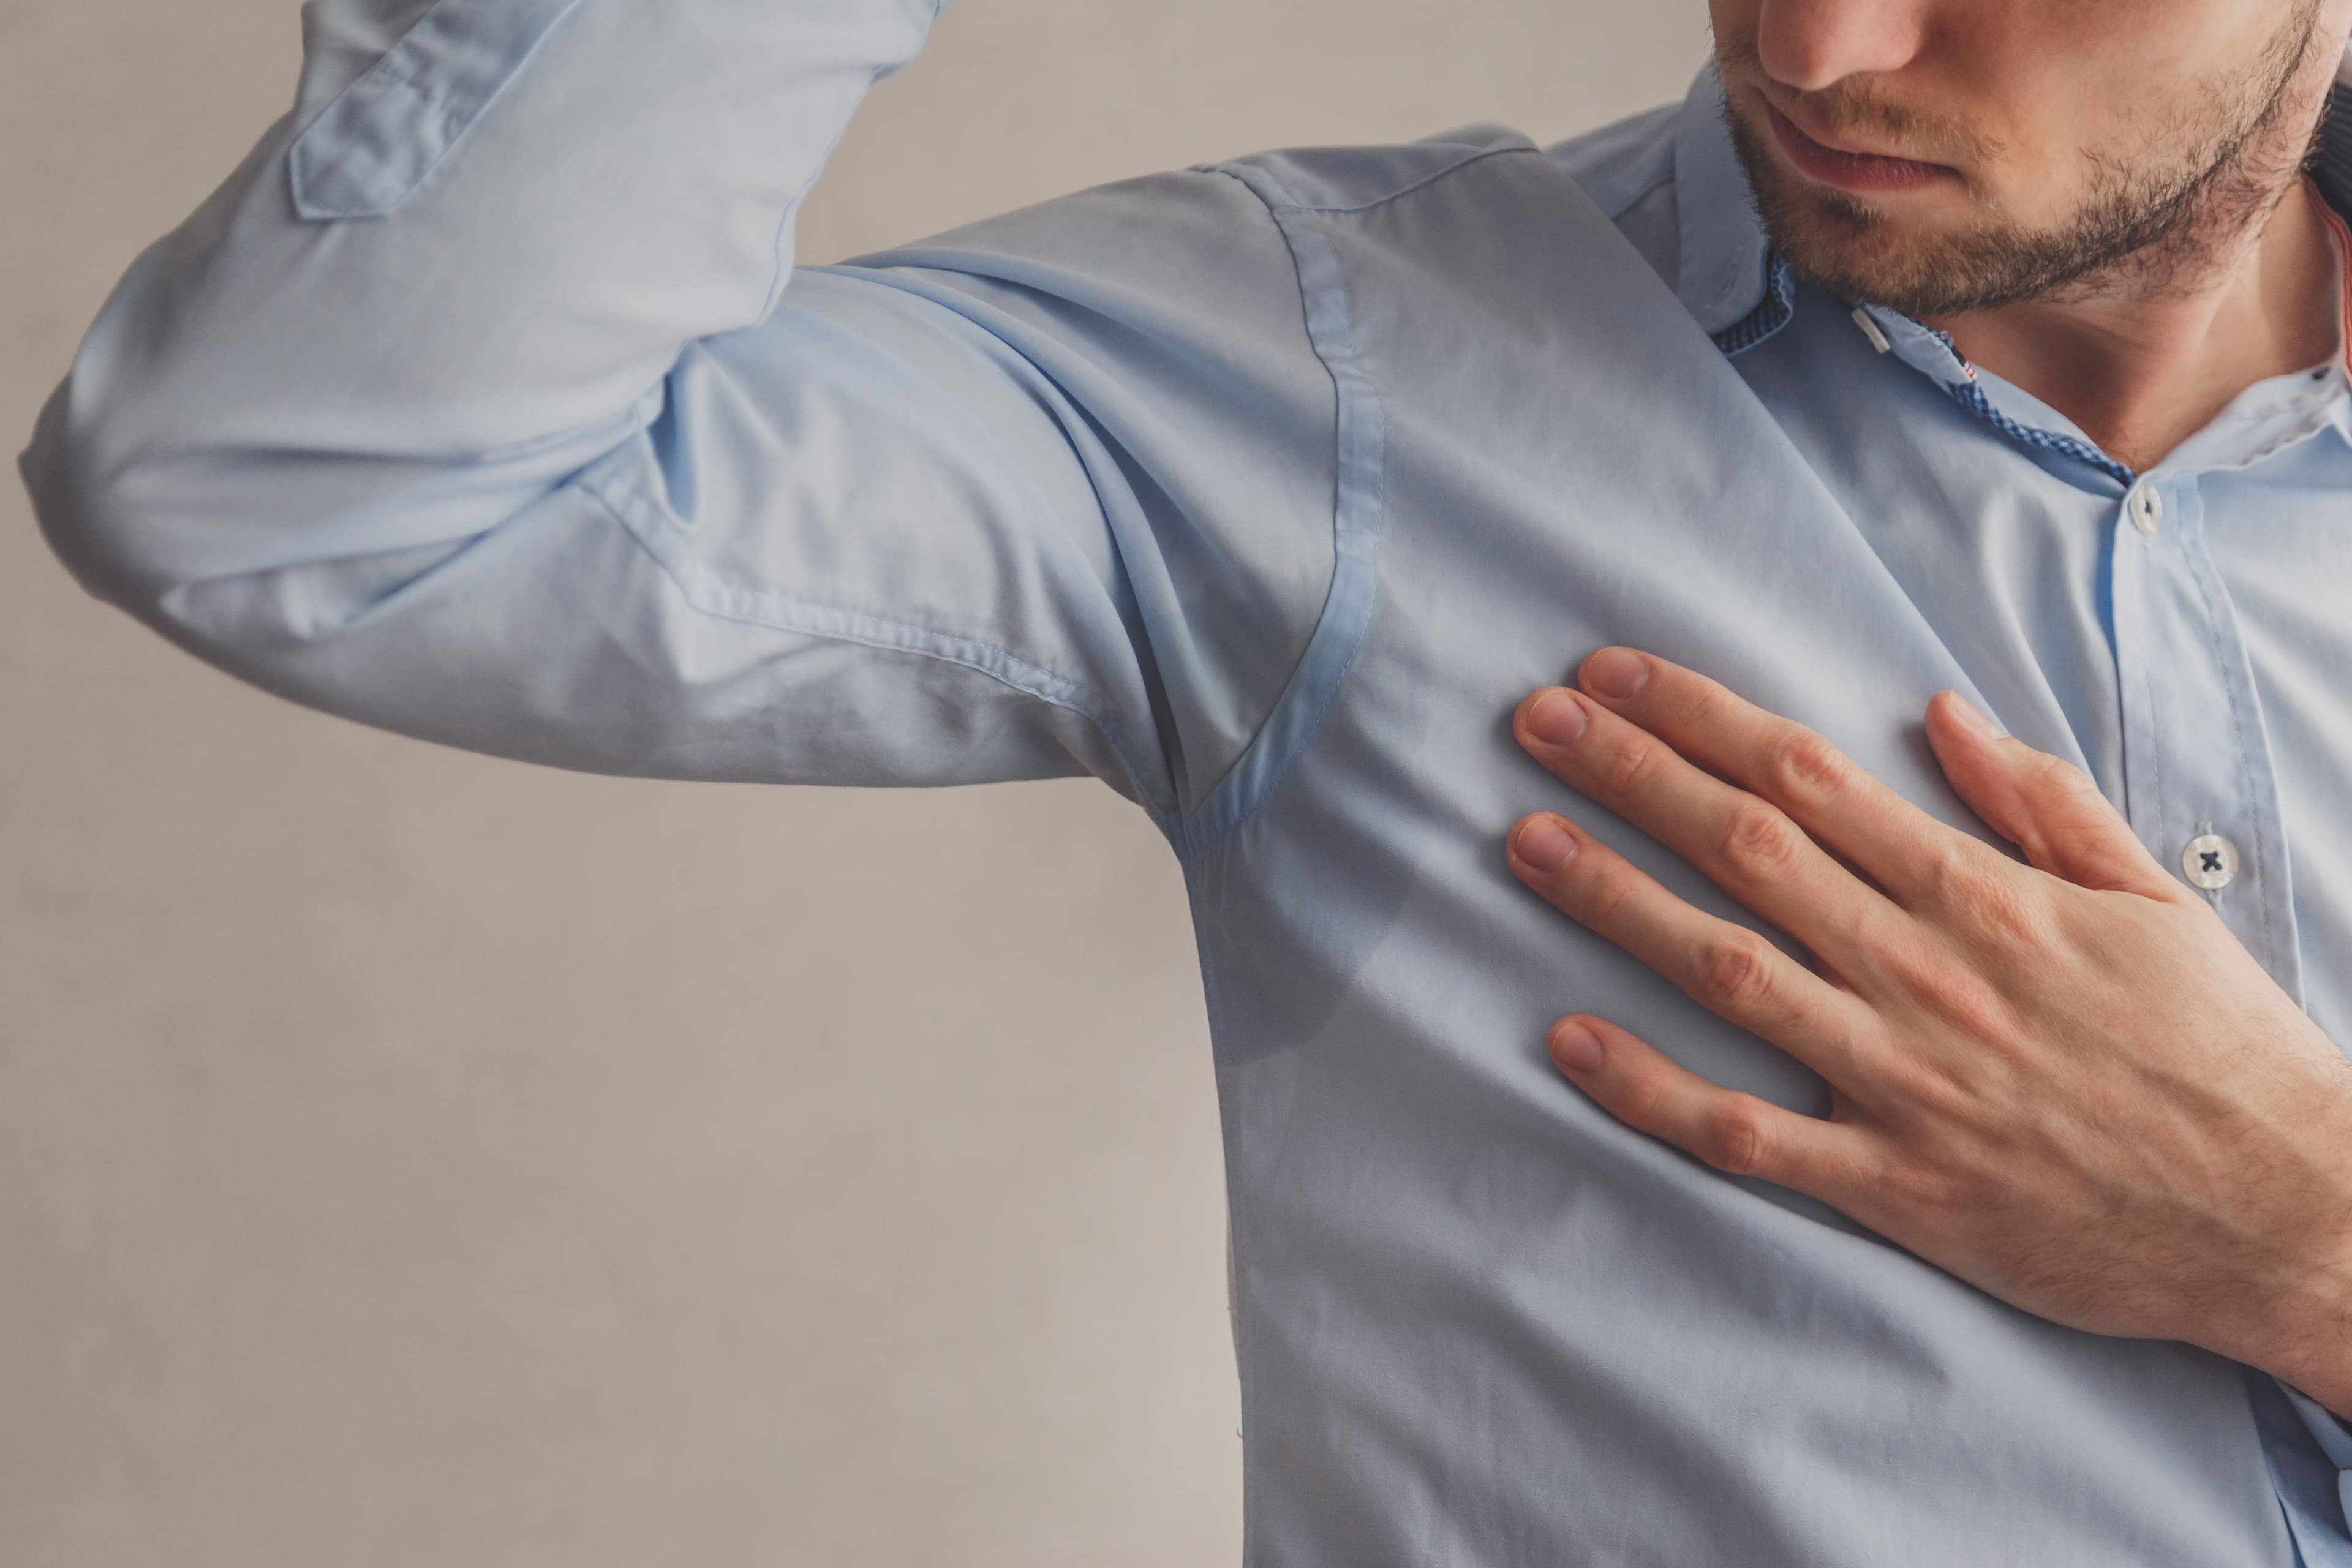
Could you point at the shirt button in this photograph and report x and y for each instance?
(2144, 507)
(2211, 862)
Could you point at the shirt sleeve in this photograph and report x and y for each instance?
(483, 402)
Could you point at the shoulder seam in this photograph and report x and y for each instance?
(1642, 144)
(1640, 194)
(1289, 204)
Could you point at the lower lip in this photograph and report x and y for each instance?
(1850, 170)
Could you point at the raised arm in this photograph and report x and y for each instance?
(482, 403)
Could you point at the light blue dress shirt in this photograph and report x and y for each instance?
(483, 402)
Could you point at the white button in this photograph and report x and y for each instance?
(2145, 507)
(2211, 862)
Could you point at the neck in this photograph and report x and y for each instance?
(2141, 365)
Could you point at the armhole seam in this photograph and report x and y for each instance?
(1359, 516)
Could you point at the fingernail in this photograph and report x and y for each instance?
(1616, 672)
(1556, 719)
(1545, 845)
(1574, 1048)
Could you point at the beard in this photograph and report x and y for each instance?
(2169, 213)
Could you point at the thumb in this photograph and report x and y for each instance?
(2043, 805)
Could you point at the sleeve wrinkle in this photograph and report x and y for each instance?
(714, 593)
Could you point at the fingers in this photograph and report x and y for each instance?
(1734, 1132)
(2046, 806)
(1822, 789)
(1745, 845)
(1729, 970)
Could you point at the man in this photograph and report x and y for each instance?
(482, 403)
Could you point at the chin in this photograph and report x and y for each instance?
(1856, 247)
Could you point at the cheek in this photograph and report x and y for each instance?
(1736, 21)
(2059, 80)
(2043, 180)
(2038, 82)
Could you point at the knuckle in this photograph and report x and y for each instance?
(1894, 1196)
(1736, 971)
(2067, 800)
(2063, 778)
(1805, 765)
(1606, 895)
(1758, 840)
(2010, 913)
(1707, 704)
(1640, 1100)
(1982, 892)
(1610, 899)
(1738, 1139)
(1628, 766)
(1957, 872)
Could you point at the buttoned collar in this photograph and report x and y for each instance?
(1742, 293)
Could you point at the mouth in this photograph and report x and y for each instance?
(1872, 172)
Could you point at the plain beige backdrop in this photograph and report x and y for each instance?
(412, 1159)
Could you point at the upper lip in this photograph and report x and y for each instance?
(1834, 143)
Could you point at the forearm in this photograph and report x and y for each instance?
(624, 184)
(494, 468)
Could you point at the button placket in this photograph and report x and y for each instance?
(2133, 577)
(2197, 776)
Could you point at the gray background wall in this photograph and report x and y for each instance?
(407, 1158)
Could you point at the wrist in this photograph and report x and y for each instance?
(2301, 1326)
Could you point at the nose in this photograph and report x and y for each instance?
(1810, 44)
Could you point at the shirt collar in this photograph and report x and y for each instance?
(1725, 260)
(1742, 293)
